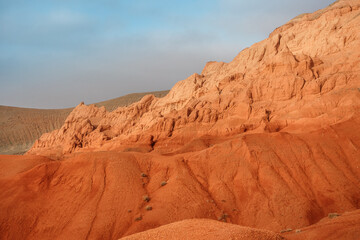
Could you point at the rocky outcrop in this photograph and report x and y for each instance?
(303, 77)
(21, 127)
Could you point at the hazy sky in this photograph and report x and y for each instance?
(57, 53)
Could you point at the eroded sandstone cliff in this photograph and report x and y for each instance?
(303, 77)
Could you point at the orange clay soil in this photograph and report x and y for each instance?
(268, 141)
(333, 227)
(269, 181)
(204, 229)
(11, 165)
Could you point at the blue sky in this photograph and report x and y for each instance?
(57, 53)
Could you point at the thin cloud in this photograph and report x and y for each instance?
(67, 18)
(58, 53)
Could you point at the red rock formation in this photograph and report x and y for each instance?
(21, 127)
(303, 77)
(269, 140)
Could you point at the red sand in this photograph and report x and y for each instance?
(345, 226)
(256, 180)
(11, 165)
(204, 229)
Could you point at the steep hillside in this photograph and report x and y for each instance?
(20, 127)
(304, 76)
(269, 141)
(112, 104)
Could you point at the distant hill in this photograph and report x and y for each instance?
(126, 100)
(20, 127)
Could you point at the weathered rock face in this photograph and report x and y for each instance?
(21, 127)
(304, 76)
(269, 140)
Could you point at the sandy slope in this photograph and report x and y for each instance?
(204, 229)
(267, 181)
(20, 127)
(344, 226)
